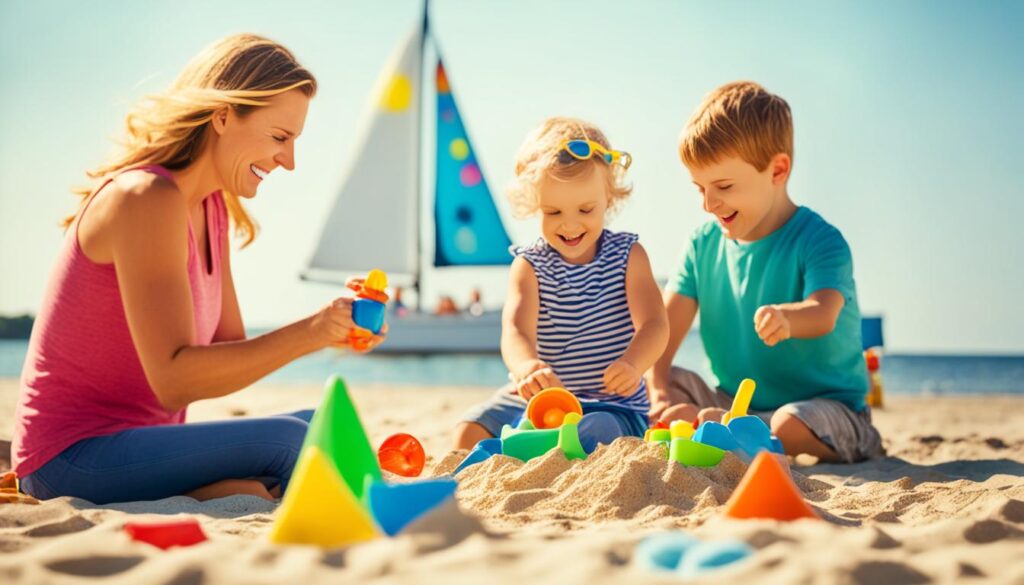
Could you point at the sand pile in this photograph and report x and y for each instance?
(627, 480)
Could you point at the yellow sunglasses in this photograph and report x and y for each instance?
(585, 149)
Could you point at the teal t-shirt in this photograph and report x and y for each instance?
(730, 280)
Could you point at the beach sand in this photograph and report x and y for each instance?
(946, 505)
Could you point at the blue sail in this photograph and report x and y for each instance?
(468, 230)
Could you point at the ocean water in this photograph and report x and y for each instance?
(901, 374)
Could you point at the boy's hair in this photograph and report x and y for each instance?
(540, 156)
(738, 119)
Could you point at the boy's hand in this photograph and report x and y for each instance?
(771, 324)
(659, 403)
(532, 376)
(712, 414)
(621, 378)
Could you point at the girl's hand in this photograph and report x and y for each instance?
(621, 378)
(532, 376)
(771, 325)
(332, 324)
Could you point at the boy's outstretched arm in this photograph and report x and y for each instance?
(649, 322)
(519, 332)
(813, 317)
(681, 310)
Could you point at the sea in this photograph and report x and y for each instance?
(901, 373)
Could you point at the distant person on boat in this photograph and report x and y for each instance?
(475, 307)
(398, 307)
(140, 316)
(583, 310)
(773, 284)
(446, 306)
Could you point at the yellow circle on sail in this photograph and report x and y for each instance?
(397, 94)
(458, 149)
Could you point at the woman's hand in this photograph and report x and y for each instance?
(333, 323)
(621, 378)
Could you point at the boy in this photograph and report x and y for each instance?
(773, 284)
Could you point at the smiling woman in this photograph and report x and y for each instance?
(140, 316)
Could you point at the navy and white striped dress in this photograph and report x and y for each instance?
(584, 322)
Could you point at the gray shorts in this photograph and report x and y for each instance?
(848, 433)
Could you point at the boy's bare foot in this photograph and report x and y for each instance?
(797, 438)
(231, 487)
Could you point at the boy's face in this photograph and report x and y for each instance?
(572, 214)
(742, 199)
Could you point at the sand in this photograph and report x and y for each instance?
(946, 505)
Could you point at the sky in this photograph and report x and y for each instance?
(909, 130)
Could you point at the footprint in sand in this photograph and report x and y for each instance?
(67, 526)
(94, 566)
(986, 531)
(873, 572)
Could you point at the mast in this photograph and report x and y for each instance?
(418, 278)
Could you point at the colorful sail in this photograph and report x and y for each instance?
(468, 230)
(374, 222)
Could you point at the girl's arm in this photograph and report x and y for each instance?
(648, 313)
(519, 333)
(148, 231)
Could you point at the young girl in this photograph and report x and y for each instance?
(583, 310)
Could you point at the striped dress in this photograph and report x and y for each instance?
(584, 322)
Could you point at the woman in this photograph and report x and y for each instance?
(140, 316)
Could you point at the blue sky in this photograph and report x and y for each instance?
(909, 129)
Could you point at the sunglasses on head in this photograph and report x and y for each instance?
(585, 149)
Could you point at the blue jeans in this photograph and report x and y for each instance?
(150, 463)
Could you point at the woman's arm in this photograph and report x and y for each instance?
(148, 233)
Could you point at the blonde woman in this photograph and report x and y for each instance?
(140, 316)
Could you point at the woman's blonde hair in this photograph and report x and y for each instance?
(170, 128)
(540, 156)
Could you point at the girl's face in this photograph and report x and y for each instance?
(249, 147)
(572, 214)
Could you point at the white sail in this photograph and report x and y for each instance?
(374, 222)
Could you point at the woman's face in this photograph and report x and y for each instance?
(250, 147)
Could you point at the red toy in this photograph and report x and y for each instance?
(164, 535)
(402, 454)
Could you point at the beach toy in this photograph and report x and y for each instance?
(717, 435)
(655, 435)
(396, 505)
(319, 507)
(741, 402)
(663, 551)
(526, 442)
(547, 408)
(401, 454)
(753, 435)
(712, 555)
(767, 491)
(368, 308)
(481, 452)
(875, 397)
(687, 557)
(680, 429)
(164, 535)
(337, 431)
(694, 454)
(10, 493)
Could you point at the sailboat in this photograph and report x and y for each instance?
(376, 219)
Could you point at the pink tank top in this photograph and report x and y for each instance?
(82, 376)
